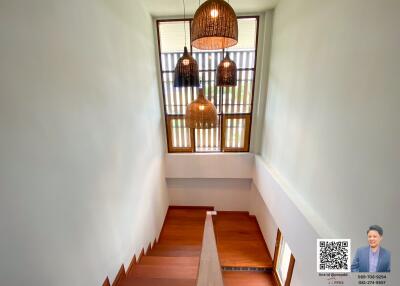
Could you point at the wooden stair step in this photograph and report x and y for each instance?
(249, 236)
(182, 241)
(231, 227)
(233, 213)
(243, 246)
(185, 212)
(229, 223)
(177, 246)
(182, 235)
(166, 244)
(174, 252)
(138, 281)
(164, 271)
(183, 228)
(168, 260)
(184, 219)
(246, 263)
(247, 278)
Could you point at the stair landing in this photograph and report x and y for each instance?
(239, 241)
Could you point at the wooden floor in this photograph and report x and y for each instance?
(241, 244)
(174, 260)
(239, 241)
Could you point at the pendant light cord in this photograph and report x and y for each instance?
(184, 19)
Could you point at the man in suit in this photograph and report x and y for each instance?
(372, 258)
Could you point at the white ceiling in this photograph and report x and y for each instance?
(164, 8)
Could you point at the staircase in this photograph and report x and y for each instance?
(243, 254)
(174, 259)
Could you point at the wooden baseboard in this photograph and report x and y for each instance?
(121, 276)
(131, 265)
(106, 282)
(140, 256)
(148, 249)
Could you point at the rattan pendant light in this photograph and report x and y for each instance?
(201, 113)
(186, 70)
(226, 72)
(214, 26)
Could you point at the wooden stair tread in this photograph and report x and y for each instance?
(139, 281)
(168, 260)
(175, 249)
(247, 278)
(186, 213)
(165, 271)
(174, 245)
(174, 253)
(182, 241)
(233, 213)
(246, 263)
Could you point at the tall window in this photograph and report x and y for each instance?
(283, 261)
(234, 104)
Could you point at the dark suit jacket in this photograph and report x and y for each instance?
(361, 260)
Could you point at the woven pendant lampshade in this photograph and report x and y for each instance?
(186, 71)
(227, 72)
(214, 26)
(201, 113)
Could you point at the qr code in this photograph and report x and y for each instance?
(333, 255)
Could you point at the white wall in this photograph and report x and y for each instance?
(261, 85)
(223, 194)
(210, 165)
(81, 160)
(221, 180)
(296, 221)
(265, 220)
(331, 130)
